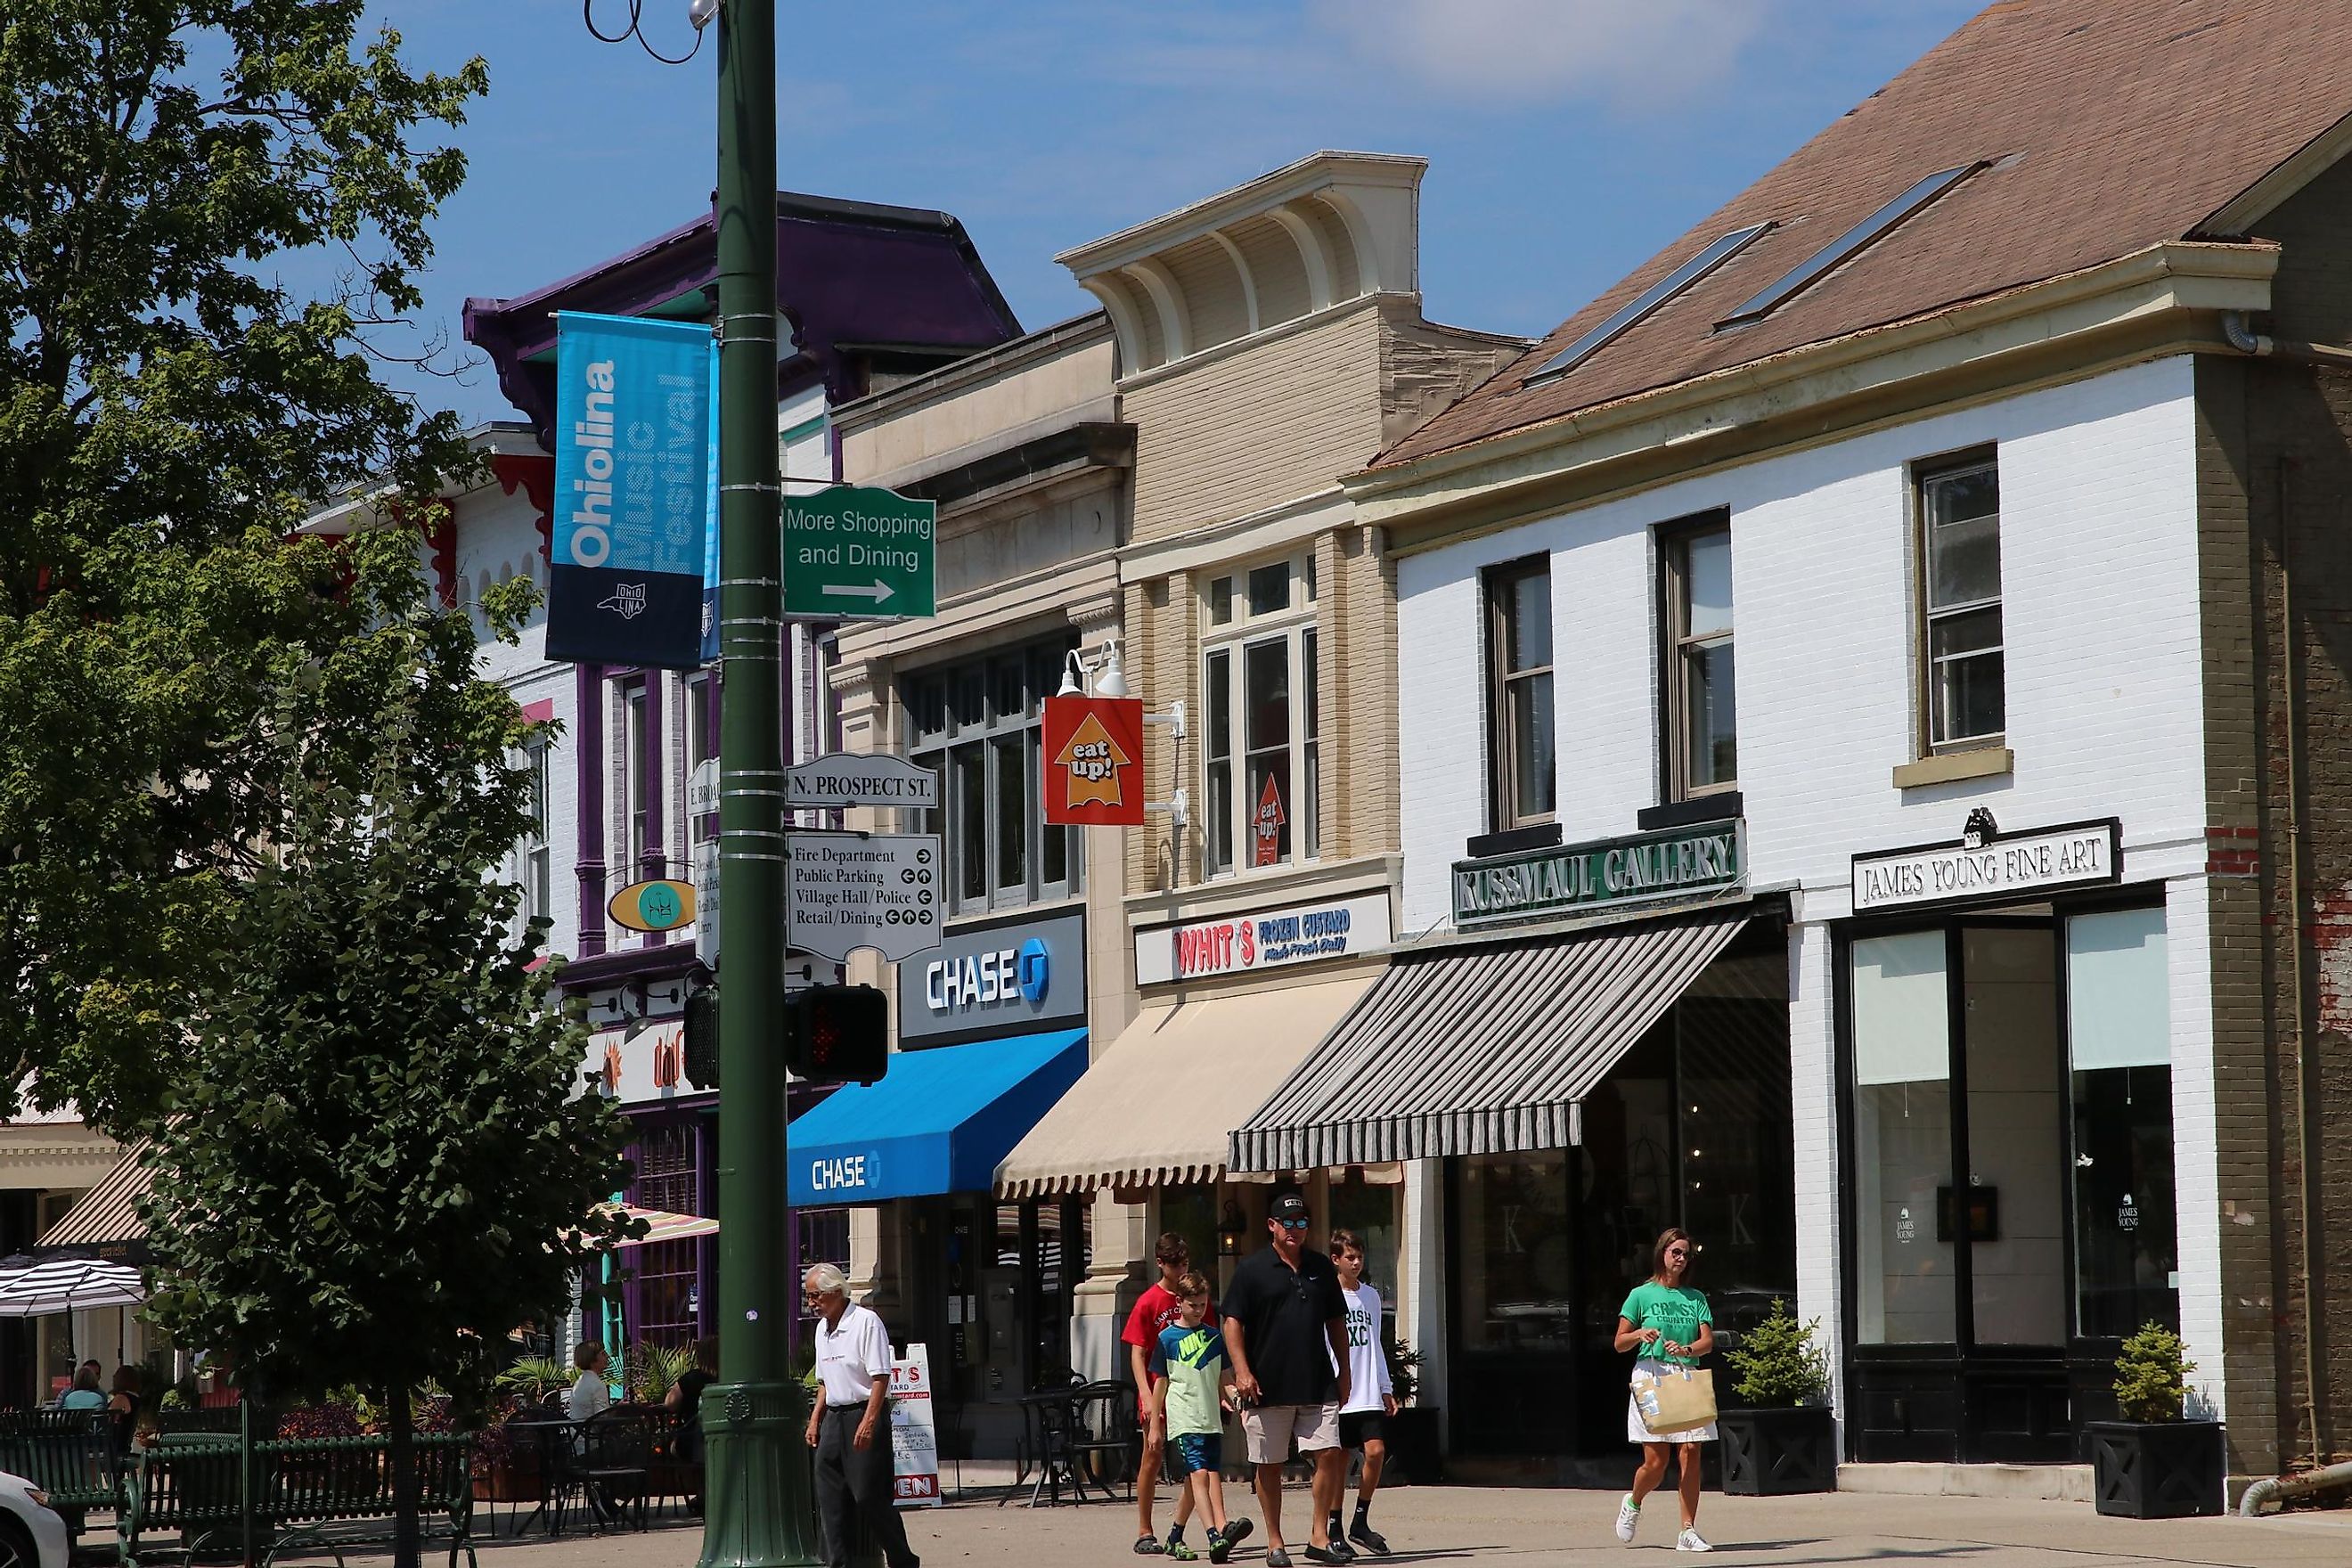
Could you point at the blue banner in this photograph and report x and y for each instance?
(633, 472)
(710, 533)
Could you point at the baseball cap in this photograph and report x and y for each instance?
(1290, 1205)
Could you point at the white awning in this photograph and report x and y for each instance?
(1158, 1106)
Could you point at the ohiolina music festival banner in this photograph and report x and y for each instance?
(634, 471)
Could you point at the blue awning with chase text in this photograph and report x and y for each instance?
(937, 1122)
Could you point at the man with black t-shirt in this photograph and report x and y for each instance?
(1286, 1330)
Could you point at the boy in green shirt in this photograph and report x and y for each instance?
(1190, 1400)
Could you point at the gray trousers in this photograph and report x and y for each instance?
(854, 1490)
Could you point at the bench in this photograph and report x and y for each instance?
(68, 1454)
(315, 1494)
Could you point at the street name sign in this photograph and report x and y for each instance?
(847, 891)
(846, 779)
(854, 553)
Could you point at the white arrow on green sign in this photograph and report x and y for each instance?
(854, 553)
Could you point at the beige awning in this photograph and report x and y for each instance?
(106, 1216)
(1158, 1106)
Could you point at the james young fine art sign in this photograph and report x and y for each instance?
(1989, 867)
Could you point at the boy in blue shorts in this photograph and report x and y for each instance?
(1190, 1400)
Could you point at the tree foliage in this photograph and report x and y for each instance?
(169, 413)
(383, 1158)
(1778, 1363)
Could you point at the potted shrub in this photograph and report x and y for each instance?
(2152, 1464)
(1781, 1436)
(1415, 1453)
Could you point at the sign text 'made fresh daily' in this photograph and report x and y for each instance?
(1679, 863)
(633, 471)
(852, 551)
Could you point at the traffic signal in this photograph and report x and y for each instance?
(838, 1033)
(702, 1038)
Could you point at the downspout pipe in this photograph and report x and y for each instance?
(2281, 1488)
(2238, 329)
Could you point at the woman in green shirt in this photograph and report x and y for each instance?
(1670, 1325)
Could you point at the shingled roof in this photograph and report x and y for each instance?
(2104, 128)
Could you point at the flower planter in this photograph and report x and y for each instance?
(2157, 1469)
(1414, 1450)
(1779, 1452)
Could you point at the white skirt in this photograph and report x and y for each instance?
(1635, 1432)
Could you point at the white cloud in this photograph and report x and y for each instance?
(1633, 52)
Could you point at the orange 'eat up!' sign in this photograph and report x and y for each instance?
(1093, 761)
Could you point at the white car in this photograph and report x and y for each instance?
(31, 1535)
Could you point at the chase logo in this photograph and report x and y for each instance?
(1034, 971)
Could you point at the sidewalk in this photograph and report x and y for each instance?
(1461, 1524)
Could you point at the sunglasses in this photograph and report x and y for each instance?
(1292, 1223)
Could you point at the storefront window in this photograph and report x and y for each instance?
(1368, 1209)
(1515, 1242)
(2017, 1205)
(1191, 1211)
(1902, 1140)
(667, 1272)
(2118, 1035)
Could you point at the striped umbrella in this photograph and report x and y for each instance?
(660, 1226)
(68, 1284)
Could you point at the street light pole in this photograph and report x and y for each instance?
(756, 1493)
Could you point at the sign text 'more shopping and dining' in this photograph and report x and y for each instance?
(1685, 862)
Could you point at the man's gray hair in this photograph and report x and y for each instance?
(826, 1280)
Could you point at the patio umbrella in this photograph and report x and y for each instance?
(661, 1225)
(68, 1284)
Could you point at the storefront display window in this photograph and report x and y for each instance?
(1368, 1210)
(2016, 1203)
(1514, 1239)
(1902, 1139)
(2118, 1033)
(1191, 1211)
(667, 1272)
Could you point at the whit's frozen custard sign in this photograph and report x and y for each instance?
(1986, 866)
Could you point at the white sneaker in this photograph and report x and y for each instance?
(1629, 1514)
(1691, 1540)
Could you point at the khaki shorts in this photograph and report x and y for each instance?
(1269, 1430)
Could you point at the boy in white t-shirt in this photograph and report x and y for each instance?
(1371, 1399)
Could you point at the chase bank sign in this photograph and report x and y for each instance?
(1003, 978)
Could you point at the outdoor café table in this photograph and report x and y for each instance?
(1058, 1436)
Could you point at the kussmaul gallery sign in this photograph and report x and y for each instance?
(1684, 862)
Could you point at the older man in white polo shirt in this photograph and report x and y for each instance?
(850, 1427)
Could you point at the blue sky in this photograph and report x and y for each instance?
(1567, 139)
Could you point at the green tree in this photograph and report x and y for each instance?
(386, 1156)
(169, 413)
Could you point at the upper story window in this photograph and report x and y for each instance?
(1702, 722)
(976, 725)
(1960, 553)
(539, 873)
(1520, 730)
(1261, 733)
(638, 775)
(701, 746)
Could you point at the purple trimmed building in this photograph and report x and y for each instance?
(869, 296)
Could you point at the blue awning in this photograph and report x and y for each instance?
(937, 1122)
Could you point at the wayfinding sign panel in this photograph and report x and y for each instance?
(847, 891)
(853, 552)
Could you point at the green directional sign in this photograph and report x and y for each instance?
(857, 554)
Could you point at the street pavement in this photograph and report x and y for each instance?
(1446, 1525)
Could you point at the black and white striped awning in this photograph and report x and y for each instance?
(1480, 1047)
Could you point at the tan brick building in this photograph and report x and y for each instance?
(1155, 484)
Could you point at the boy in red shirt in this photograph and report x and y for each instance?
(1154, 1309)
